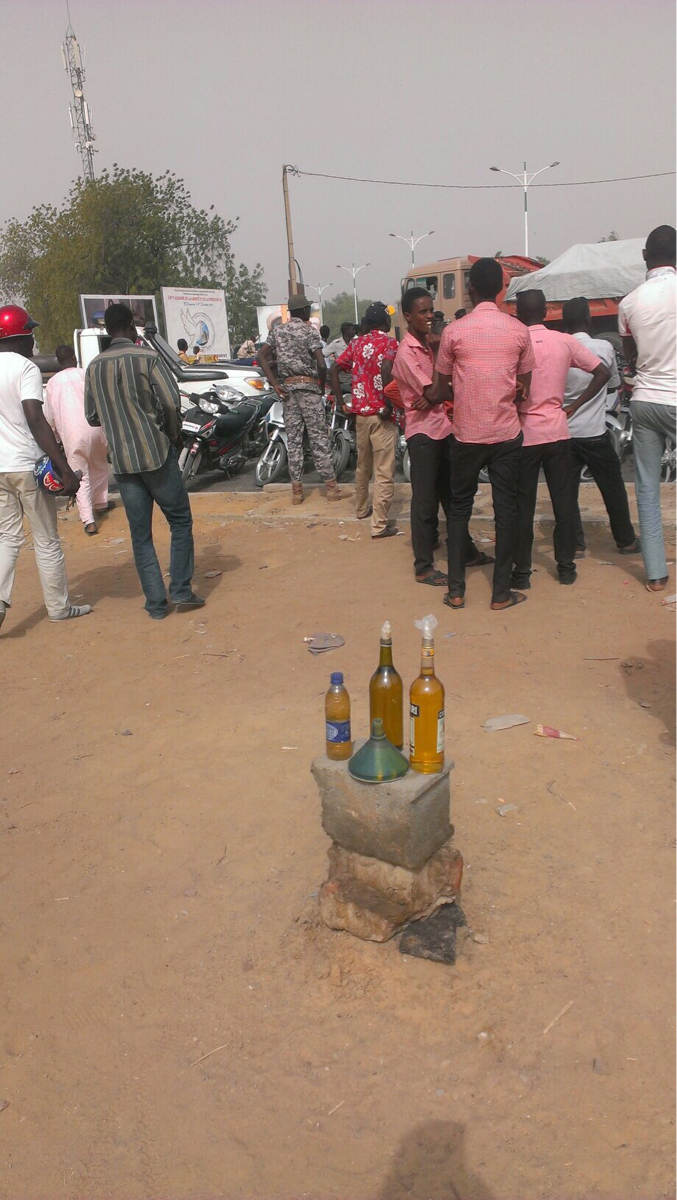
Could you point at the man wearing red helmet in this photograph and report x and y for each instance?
(24, 437)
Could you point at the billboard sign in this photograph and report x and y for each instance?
(199, 316)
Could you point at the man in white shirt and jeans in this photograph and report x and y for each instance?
(24, 437)
(646, 321)
(591, 444)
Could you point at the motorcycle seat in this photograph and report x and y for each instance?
(234, 421)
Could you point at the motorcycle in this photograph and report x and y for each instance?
(222, 432)
(272, 464)
(619, 425)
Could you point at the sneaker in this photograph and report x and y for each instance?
(73, 610)
(189, 605)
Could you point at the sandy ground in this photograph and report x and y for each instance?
(176, 1025)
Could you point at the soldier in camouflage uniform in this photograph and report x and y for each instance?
(298, 377)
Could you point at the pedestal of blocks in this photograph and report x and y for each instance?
(391, 860)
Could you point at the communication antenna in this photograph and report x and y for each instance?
(79, 112)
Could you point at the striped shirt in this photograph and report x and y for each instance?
(132, 394)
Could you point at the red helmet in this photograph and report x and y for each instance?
(15, 322)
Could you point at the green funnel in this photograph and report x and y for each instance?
(377, 761)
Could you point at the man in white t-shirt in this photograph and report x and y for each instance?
(591, 444)
(24, 437)
(646, 321)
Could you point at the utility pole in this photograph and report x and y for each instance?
(321, 287)
(524, 180)
(353, 270)
(293, 283)
(78, 111)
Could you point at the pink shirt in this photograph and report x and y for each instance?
(413, 369)
(65, 410)
(484, 353)
(541, 416)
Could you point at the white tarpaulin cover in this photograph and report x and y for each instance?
(602, 270)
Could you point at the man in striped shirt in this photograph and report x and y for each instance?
(133, 396)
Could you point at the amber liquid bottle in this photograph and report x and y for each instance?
(385, 692)
(337, 717)
(426, 709)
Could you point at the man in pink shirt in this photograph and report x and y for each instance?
(546, 436)
(429, 438)
(85, 447)
(486, 356)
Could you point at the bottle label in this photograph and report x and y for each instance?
(440, 731)
(338, 731)
(414, 712)
(427, 651)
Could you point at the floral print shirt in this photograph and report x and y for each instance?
(364, 357)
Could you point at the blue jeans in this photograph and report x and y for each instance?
(166, 488)
(651, 423)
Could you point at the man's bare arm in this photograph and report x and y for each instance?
(599, 377)
(321, 368)
(266, 365)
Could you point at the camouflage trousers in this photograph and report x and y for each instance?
(305, 409)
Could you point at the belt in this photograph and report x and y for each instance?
(301, 379)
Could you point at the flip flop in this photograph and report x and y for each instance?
(448, 600)
(434, 578)
(635, 548)
(662, 584)
(388, 532)
(515, 599)
(482, 560)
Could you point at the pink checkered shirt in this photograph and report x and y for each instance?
(413, 369)
(541, 415)
(484, 353)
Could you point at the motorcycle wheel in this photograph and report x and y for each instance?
(406, 466)
(272, 463)
(484, 475)
(189, 464)
(340, 453)
(586, 476)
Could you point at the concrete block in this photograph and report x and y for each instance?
(418, 891)
(404, 822)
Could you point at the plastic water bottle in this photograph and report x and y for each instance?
(337, 716)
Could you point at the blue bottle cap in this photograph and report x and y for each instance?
(336, 677)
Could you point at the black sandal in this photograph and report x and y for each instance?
(448, 600)
(515, 599)
(433, 577)
(482, 560)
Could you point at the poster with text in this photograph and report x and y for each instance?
(269, 315)
(199, 317)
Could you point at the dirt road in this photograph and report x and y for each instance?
(176, 1025)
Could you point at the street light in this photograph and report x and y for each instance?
(322, 287)
(412, 241)
(353, 270)
(524, 180)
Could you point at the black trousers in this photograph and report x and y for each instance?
(430, 460)
(555, 458)
(598, 454)
(502, 460)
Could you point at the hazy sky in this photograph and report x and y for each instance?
(224, 92)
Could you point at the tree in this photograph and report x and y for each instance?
(340, 309)
(126, 232)
(540, 259)
(610, 237)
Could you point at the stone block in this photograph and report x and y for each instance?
(404, 822)
(373, 900)
(419, 891)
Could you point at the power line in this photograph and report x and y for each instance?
(474, 187)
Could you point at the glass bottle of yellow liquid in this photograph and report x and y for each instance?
(337, 716)
(385, 692)
(426, 708)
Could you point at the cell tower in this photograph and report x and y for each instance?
(79, 111)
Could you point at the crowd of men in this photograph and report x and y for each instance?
(487, 391)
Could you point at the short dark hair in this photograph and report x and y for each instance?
(116, 318)
(63, 353)
(324, 331)
(347, 325)
(486, 277)
(531, 304)
(575, 312)
(460, 312)
(660, 244)
(411, 296)
(182, 345)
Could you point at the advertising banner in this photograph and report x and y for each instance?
(199, 316)
(269, 315)
(93, 309)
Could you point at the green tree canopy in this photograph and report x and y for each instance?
(126, 232)
(610, 237)
(340, 309)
